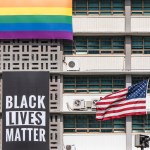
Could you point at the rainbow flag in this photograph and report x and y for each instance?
(36, 19)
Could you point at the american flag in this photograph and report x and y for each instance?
(126, 102)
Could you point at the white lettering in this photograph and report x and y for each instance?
(23, 102)
(17, 135)
(42, 135)
(32, 101)
(30, 118)
(30, 138)
(9, 135)
(9, 103)
(25, 134)
(40, 102)
(36, 134)
(15, 102)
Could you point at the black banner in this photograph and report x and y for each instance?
(25, 111)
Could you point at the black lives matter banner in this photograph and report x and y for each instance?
(25, 111)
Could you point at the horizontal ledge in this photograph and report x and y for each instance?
(73, 112)
(111, 33)
(78, 112)
(106, 72)
(96, 16)
(95, 72)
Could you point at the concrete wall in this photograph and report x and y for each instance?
(96, 141)
(99, 62)
(69, 98)
(140, 62)
(95, 24)
(140, 24)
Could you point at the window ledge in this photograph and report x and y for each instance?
(97, 16)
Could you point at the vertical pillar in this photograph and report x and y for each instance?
(127, 15)
(128, 68)
(128, 38)
(128, 121)
(128, 53)
(0, 131)
(56, 118)
(55, 131)
(56, 98)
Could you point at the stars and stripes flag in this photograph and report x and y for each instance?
(126, 102)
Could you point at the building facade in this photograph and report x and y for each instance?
(110, 51)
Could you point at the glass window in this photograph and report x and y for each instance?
(87, 123)
(141, 123)
(93, 6)
(106, 44)
(93, 84)
(94, 45)
(105, 7)
(98, 7)
(140, 7)
(81, 4)
(69, 121)
(140, 45)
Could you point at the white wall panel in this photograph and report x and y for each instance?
(98, 24)
(140, 62)
(96, 141)
(69, 98)
(148, 103)
(97, 63)
(140, 24)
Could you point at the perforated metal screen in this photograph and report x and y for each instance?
(30, 55)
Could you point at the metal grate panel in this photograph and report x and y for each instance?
(0, 93)
(30, 55)
(55, 132)
(0, 132)
(55, 92)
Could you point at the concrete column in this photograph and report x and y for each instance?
(128, 38)
(128, 68)
(56, 102)
(127, 15)
(128, 53)
(128, 121)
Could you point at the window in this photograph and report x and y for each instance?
(140, 7)
(94, 45)
(93, 84)
(141, 123)
(140, 45)
(136, 79)
(88, 123)
(98, 7)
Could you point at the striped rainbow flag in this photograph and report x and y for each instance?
(36, 19)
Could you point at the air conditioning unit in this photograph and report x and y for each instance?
(72, 65)
(79, 104)
(70, 147)
(94, 104)
(88, 104)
